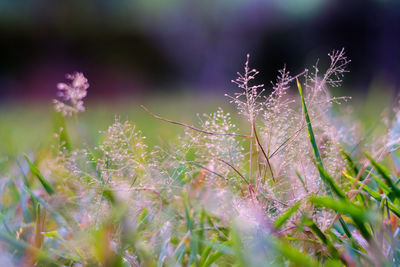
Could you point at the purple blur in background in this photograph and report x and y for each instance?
(134, 48)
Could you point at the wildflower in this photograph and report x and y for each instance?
(71, 94)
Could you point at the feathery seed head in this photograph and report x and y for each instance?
(71, 94)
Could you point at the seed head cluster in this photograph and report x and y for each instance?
(71, 94)
(171, 204)
(122, 152)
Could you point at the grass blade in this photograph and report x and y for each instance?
(358, 215)
(49, 189)
(286, 215)
(309, 127)
(295, 256)
(384, 173)
(350, 162)
(332, 185)
(311, 136)
(301, 180)
(319, 163)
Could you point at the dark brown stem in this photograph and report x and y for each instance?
(262, 150)
(250, 186)
(192, 127)
(233, 168)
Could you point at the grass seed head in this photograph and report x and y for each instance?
(71, 94)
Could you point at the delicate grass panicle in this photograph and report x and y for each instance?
(122, 152)
(211, 148)
(71, 94)
(248, 99)
(288, 186)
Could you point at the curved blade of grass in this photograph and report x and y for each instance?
(205, 253)
(342, 206)
(381, 184)
(374, 194)
(321, 236)
(319, 163)
(212, 258)
(309, 127)
(358, 215)
(181, 248)
(49, 189)
(163, 253)
(207, 258)
(329, 180)
(292, 254)
(301, 180)
(385, 175)
(350, 162)
(286, 215)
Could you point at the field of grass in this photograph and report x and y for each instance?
(292, 178)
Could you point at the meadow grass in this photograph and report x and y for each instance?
(274, 179)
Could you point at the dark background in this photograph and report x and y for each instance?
(134, 48)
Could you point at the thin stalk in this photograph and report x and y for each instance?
(192, 127)
(250, 186)
(263, 151)
(251, 155)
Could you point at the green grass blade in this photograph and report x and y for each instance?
(49, 189)
(324, 239)
(359, 216)
(311, 134)
(212, 258)
(319, 163)
(381, 184)
(292, 254)
(350, 162)
(341, 206)
(38, 237)
(332, 185)
(301, 180)
(237, 246)
(205, 253)
(286, 215)
(374, 194)
(309, 127)
(385, 175)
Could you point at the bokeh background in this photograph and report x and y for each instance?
(133, 48)
(178, 57)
